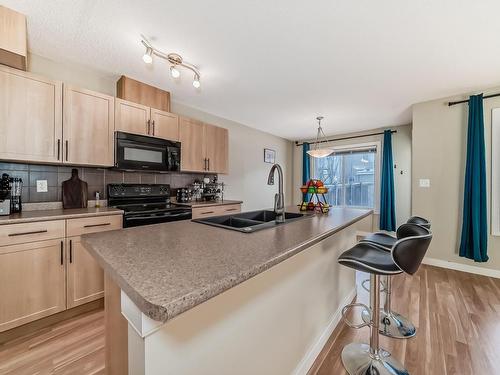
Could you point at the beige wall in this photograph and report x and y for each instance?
(439, 148)
(401, 146)
(247, 178)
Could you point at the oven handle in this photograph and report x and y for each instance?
(187, 213)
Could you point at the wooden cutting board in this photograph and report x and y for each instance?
(74, 192)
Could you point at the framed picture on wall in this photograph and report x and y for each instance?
(269, 156)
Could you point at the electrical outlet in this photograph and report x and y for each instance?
(41, 186)
(424, 183)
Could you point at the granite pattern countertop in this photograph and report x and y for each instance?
(208, 203)
(169, 268)
(57, 214)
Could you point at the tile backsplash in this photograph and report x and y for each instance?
(96, 178)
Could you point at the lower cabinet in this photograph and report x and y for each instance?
(85, 278)
(41, 278)
(32, 282)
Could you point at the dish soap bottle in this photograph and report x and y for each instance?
(97, 200)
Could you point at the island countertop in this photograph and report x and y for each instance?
(169, 268)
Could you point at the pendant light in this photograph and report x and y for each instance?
(316, 151)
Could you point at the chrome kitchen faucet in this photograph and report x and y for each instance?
(279, 198)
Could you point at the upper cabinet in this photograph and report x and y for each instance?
(131, 117)
(192, 145)
(13, 51)
(30, 117)
(139, 92)
(204, 147)
(88, 125)
(164, 124)
(138, 119)
(217, 149)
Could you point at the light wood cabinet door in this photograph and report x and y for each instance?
(192, 145)
(164, 125)
(216, 139)
(32, 282)
(132, 117)
(85, 277)
(13, 49)
(88, 127)
(30, 117)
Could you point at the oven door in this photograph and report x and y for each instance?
(137, 152)
(161, 217)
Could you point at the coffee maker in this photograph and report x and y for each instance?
(5, 195)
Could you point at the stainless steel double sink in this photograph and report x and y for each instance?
(248, 222)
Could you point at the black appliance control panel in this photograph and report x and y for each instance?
(138, 190)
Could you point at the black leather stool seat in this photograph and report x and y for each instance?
(369, 258)
(382, 239)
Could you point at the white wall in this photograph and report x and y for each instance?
(401, 151)
(247, 178)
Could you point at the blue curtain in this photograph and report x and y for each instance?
(474, 241)
(306, 169)
(387, 207)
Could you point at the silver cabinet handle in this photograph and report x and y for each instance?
(208, 164)
(62, 253)
(58, 149)
(149, 126)
(208, 212)
(71, 251)
(231, 209)
(96, 225)
(67, 148)
(153, 127)
(26, 233)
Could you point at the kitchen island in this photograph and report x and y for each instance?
(205, 300)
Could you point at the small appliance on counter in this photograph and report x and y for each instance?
(207, 190)
(183, 195)
(5, 195)
(145, 204)
(16, 189)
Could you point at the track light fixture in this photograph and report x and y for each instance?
(174, 59)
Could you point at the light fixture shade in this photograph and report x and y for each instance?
(319, 152)
(174, 72)
(196, 82)
(148, 56)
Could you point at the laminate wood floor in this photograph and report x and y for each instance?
(75, 346)
(457, 316)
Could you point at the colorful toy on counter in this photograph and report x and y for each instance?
(315, 188)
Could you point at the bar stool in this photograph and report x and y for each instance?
(393, 324)
(405, 256)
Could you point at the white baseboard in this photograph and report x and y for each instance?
(462, 267)
(308, 360)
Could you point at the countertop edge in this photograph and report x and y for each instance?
(62, 216)
(175, 307)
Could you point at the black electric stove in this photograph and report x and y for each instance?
(145, 204)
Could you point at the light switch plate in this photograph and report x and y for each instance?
(424, 183)
(41, 186)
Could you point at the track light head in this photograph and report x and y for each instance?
(174, 72)
(148, 55)
(196, 81)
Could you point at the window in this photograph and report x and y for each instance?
(349, 174)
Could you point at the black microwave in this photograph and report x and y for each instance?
(143, 153)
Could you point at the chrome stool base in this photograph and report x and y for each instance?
(392, 324)
(358, 360)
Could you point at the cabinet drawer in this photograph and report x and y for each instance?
(199, 212)
(77, 227)
(29, 232)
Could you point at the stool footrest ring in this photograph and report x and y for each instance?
(351, 306)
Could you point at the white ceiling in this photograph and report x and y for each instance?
(275, 65)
